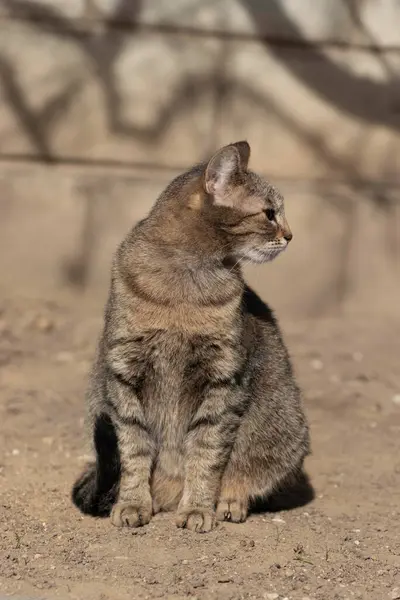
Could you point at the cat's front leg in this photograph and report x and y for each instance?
(134, 504)
(207, 449)
(137, 450)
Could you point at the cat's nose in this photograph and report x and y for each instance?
(288, 235)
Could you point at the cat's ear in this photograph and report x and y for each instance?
(221, 172)
(243, 148)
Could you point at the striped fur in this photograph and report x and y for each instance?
(192, 400)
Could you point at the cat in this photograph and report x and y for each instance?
(192, 402)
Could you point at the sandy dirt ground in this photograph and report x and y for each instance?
(344, 544)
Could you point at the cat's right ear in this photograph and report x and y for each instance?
(221, 172)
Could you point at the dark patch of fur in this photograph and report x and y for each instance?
(95, 491)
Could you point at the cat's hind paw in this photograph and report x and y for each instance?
(234, 511)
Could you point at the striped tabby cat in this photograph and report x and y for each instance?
(192, 402)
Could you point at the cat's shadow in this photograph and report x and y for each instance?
(292, 495)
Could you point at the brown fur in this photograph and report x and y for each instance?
(192, 396)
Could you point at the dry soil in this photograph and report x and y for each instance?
(343, 544)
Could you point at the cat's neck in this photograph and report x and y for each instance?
(166, 272)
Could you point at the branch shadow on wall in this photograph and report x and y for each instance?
(103, 50)
(367, 100)
(360, 97)
(356, 95)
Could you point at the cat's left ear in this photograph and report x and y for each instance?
(224, 169)
(243, 148)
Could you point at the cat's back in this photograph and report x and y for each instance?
(259, 316)
(263, 333)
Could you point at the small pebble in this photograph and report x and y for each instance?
(271, 596)
(138, 531)
(396, 399)
(64, 357)
(84, 457)
(43, 324)
(15, 452)
(289, 573)
(394, 594)
(278, 520)
(317, 364)
(357, 543)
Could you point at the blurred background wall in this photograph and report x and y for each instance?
(102, 102)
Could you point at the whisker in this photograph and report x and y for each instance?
(237, 262)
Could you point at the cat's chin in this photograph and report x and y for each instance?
(259, 256)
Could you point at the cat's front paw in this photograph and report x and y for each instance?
(127, 514)
(201, 520)
(235, 511)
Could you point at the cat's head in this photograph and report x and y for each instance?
(246, 209)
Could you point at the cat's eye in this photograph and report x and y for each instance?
(270, 214)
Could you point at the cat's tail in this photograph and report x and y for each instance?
(96, 490)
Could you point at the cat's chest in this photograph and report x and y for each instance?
(171, 372)
(170, 363)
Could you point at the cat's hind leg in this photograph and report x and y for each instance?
(268, 451)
